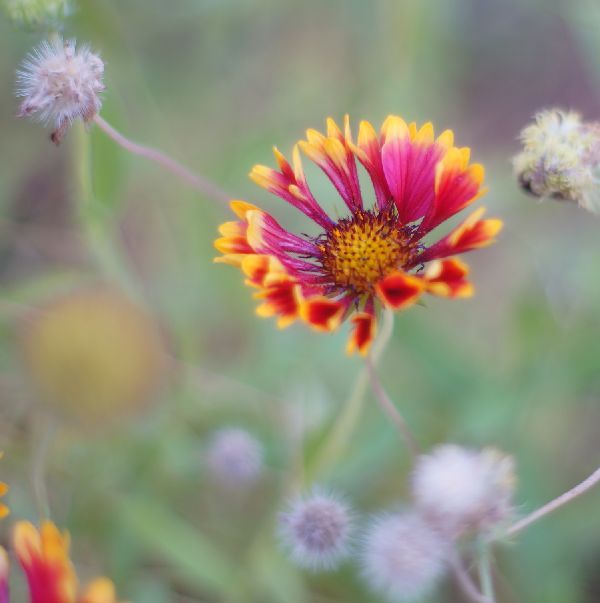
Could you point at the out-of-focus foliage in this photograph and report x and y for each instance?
(216, 83)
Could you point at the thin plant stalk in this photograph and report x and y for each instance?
(197, 182)
(553, 505)
(484, 564)
(465, 582)
(42, 434)
(341, 432)
(390, 409)
(93, 219)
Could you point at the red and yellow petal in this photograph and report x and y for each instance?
(280, 299)
(400, 290)
(4, 567)
(448, 278)
(322, 313)
(364, 326)
(44, 557)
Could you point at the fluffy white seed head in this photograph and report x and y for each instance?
(316, 531)
(462, 490)
(561, 158)
(403, 556)
(60, 83)
(235, 457)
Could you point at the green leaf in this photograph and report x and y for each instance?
(194, 558)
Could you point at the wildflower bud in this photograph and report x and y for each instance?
(561, 158)
(403, 556)
(462, 490)
(235, 457)
(38, 14)
(60, 84)
(316, 531)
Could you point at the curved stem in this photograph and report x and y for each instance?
(563, 499)
(389, 408)
(206, 187)
(42, 436)
(485, 572)
(341, 431)
(465, 582)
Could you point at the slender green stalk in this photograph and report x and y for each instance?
(93, 219)
(341, 432)
(42, 433)
(563, 499)
(485, 571)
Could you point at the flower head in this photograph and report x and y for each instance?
(235, 457)
(60, 83)
(316, 530)
(376, 254)
(561, 158)
(461, 490)
(44, 557)
(403, 556)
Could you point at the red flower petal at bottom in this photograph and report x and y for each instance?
(321, 313)
(363, 333)
(400, 290)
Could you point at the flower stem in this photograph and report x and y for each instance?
(485, 571)
(93, 220)
(465, 582)
(389, 408)
(563, 499)
(43, 430)
(201, 184)
(339, 436)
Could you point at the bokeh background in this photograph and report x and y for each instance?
(124, 347)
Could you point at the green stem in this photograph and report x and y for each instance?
(42, 433)
(340, 434)
(485, 571)
(92, 217)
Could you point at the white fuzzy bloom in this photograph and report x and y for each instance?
(235, 457)
(460, 490)
(403, 556)
(561, 158)
(316, 531)
(60, 83)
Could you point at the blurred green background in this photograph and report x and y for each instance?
(216, 83)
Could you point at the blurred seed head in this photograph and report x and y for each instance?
(461, 490)
(93, 355)
(316, 531)
(561, 158)
(235, 457)
(60, 83)
(38, 14)
(403, 556)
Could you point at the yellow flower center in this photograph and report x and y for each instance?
(359, 251)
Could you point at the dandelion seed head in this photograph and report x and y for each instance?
(316, 530)
(60, 83)
(403, 556)
(235, 457)
(561, 158)
(460, 490)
